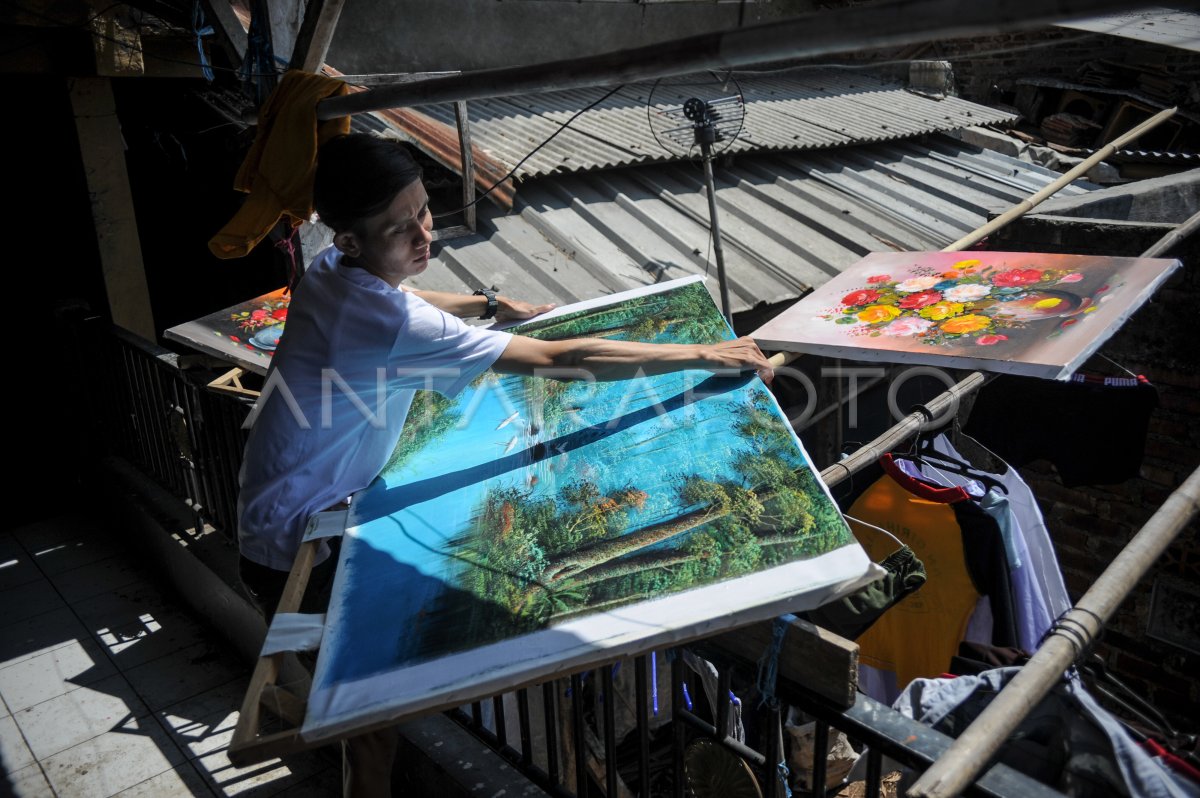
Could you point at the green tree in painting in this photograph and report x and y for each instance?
(430, 417)
(547, 559)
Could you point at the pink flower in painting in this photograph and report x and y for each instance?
(1073, 277)
(922, 299)
(864, 296)
(1016, 277)
(878, 278)
(909, 325)
(989, 340)
(259, 314)
(280, 314)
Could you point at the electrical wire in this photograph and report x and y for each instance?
(530, 154)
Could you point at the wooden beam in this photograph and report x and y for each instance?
(221, 16)
(811, 657)
(103, 152)
(316, 32)
(468, 162)
(866, 26)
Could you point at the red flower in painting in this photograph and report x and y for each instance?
(921, 299)
(878, 278)
(259, 314)
(863, 296)
(988, 340)
(279, 313)
(1016, 277)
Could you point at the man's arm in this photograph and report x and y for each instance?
(472, 307)
(618, 360)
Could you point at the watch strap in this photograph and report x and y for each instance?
(492, 304)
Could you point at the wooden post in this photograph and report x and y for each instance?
(103, 152)
(316, 32)
(468, 162)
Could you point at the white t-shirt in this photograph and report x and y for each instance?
(336, 396)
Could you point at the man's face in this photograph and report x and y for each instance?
(394, 244)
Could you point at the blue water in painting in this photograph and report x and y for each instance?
(401, 554)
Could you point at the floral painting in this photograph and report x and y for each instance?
(530, 523)
(1034, 314)
(246, 334)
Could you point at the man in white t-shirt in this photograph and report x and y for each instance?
(357, 345)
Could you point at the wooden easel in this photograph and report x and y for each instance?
(231, 382)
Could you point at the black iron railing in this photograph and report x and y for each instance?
(165, 421)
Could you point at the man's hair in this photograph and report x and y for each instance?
(358, 175)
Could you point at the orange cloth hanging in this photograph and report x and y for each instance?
(278, 170)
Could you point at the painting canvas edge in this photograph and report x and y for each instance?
(849, 562)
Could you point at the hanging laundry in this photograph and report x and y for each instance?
(964, 558)
(278, 171)
(854, 614)
(1093, 433)
(1068, 741)
(1039, 594)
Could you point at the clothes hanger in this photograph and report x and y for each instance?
(1107, 683)
(926, 455)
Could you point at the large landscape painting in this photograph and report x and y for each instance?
(532, 524)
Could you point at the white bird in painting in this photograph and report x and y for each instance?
(508, 420)
(511, 444)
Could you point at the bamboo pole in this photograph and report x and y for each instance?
(819, 33)
(973, 750)
(913, 422)
(1164, 244)
(1025, 206)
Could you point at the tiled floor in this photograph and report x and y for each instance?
(110, 688)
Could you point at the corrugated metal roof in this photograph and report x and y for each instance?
(790, 221)
(797, 110)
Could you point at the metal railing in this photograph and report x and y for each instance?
(165, 421)
(566, 742)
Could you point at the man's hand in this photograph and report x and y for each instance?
(515, 310)
(742, 354)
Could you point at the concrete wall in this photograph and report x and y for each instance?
(411, 36)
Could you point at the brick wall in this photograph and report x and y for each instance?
(1090, 525)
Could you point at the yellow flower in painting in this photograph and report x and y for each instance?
(966, 265)
(942, 310)
(877, 313)
(970, 323)
(1047, 303)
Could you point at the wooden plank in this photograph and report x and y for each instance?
(230, 30)
(103, 152)
(468, 162)
(316, 32)
(811, 657)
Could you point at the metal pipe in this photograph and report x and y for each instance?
(893, 24)
(973, 750)
(715, 230)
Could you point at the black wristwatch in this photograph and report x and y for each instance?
(492, 304)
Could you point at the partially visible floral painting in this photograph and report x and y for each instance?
(1025, 313)
(247, 333)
